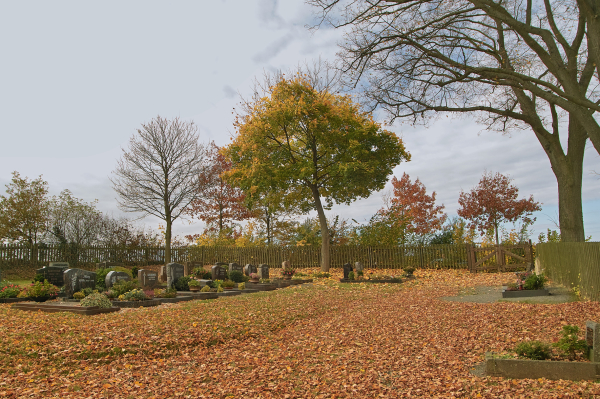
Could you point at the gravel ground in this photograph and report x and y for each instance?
(483, 294)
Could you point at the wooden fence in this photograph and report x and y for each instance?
(500, 258)
(434, 256)
(572, 264)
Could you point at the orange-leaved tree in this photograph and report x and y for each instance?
(494, 201)
(218, 203)
(312, 147)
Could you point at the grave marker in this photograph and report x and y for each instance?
(113, 276)
(248, 269)
(162, 275)
(190, 266)
(235, 267)
(174, 272)
(77, 279)
(147, 278)
(263, 271)
(592, 338)
(358, 267)
(286, 265)
(218, 272)
(347, 270)
(54, 274)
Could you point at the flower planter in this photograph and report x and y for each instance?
(524, 293)
(533, 369)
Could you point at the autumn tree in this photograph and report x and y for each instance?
(75, 221)
(513, 64)
(313, 146)
(217, 202)
(24, 211)
(494, 201)
(158, 174)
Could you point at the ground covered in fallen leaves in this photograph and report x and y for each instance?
(326, 340)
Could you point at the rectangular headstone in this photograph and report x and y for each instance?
(147, 279)
(248, 269)
(235, 267)
(53, 274)
(190, 266)
(174, 272)
(113, 276)
(358, 267)
(286, 265)
(263, 271)
(592, 337)
(218, 272)
(77, 279)
(64, 265)
(347, 270)
(162, 275)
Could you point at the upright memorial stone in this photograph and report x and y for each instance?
(77, 279)
(263, 271)
(347, 270)
(147, 279)
(113, 276)
(248, 269)
(358, 267)
(592, 338)
(218, 272)
(53, 274)
(286, 265)
(174, 272)
(190, 266)
(235, 267)
(163, 274)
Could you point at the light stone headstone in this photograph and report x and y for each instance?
(112, 277)
(218, 272)
(249, 269)
(358, 267)
(53, 274)
(76, 280)
(147, 278)
(286, 265)
(235, 267)
(592, 337)
(174, 272)
(163, 274)
(263, 271)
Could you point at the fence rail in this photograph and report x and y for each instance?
(573, 264)
(433, 256)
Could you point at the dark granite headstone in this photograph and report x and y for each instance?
(235, 267)
(358, 267)
(113, 276)
(263, 271)
(53, 274)
(218, 272)
(147, 279)
(250, 269)
(174, 272)
(190, 266)
(347, 270)
(77, 279)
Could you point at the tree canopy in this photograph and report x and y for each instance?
(308, 144)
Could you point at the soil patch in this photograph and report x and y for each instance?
(487, 294)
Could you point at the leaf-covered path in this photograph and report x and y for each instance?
(325, 340)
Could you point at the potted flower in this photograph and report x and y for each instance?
(254, 278)
(194, 285)
(287, 274)
(228, 284)
(41, 292)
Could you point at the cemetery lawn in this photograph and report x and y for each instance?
(323, 340)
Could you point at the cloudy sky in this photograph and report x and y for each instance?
(78, 78)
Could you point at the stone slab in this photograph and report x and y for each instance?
(398, 281)
(198, 295)
(247, 290)
(229, 293)
(64, 307)
(176, 299)
(534, 369)
(524, 293)
(14, 300)
(137, 304)
(261, 286)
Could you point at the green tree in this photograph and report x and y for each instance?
(312, 146)
(24, 211)
(74, 220)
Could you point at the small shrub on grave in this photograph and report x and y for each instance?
(351, 276)
(101, 278)
(10, 291)
(570, 344)
(228, 284)
(134, 272)
(217, 283)
(236, 276)
(38, 278)
(87, 291)
(534, 282)
(165, 293)
(220, 289)
(123, 286)
(134, 295)
(202, 274)
(300, 274)
(322, 275)
(206, 288)
(96, 299)
(40, 290)
(182, 283)
(360, 273)
(111, 294)
(193, 283)
(242, 286)
(79, 295)
(534, 350)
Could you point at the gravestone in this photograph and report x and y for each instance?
(147, 279)
(592, 337)
(77, 279)
(113, 276)
(54, 274)
(235, 267)
(64, 265)
(218, 272)
(162, 275)
(347, 270)
(174, 272)
(263, 271)
(358, 267)
(286, 265)
(106, 265)
(190, 266)
(248, 269)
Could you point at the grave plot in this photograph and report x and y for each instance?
(137, 304)
(54, 307)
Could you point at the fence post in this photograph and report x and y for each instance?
(469, 260)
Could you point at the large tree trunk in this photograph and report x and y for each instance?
(169, 222)
(325, 256)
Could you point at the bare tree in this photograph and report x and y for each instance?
(517, 64)
(158, 174)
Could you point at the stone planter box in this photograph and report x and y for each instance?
(175, 300)
(281, 283)
(13, 300)
(64, 307)
(398, 281)
(137, 304)
(552, 370)
(261, 286)
(524, 293)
